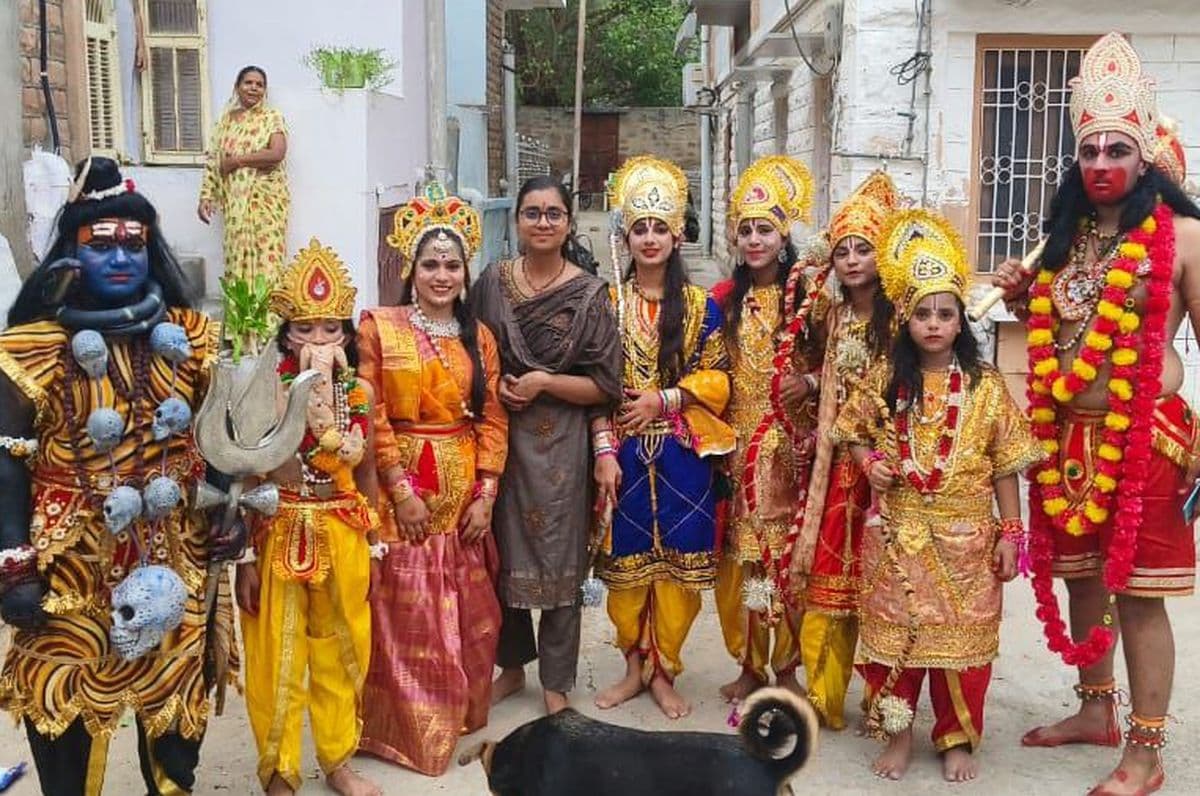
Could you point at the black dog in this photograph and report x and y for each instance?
(573, 755)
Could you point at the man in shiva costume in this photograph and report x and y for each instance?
(103, 555)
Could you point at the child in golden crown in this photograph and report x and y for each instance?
(939, 438)
(303, 584)
(1119, 270)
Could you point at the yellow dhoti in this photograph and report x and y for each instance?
(654, 621)
(310, 642)
(748, 633)
(827, 644)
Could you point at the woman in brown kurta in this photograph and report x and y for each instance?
(561, 359)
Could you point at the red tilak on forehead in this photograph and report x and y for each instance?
(120, 230)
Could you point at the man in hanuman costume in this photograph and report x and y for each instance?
(102, 560)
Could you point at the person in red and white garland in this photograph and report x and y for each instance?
(1120, 269)
(939, 438)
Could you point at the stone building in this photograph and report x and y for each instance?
(963, 101)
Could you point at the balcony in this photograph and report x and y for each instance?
(722, 13)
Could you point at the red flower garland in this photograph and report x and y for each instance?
(1134, 464)
(926, 486)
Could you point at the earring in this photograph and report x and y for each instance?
(782, 256)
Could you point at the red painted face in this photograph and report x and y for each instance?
(1111, 163)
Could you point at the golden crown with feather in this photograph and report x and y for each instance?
(866, 211)
(1111, 93)
(316, 284)
(922, 254)
(434, 210)
(650, 187)
(777, 188)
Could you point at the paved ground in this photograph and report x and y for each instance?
(1029, 686)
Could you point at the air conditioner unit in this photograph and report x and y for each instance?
(693, 82)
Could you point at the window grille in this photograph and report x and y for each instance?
(1024, 137)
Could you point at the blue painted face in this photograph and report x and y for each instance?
(115, 261)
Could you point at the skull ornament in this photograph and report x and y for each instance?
(146, 606)
(91, 352)
(121, 508)
(161, 495)
(105, 427)
(170, 342)
(171, 417)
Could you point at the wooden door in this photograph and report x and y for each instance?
(598, 151)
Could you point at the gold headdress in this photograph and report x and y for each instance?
(921, 254)
(648, 187)
(1168, 151)
(434, 209)
(866, 211)
(1111, 94)
(777, 188)
(315, 285)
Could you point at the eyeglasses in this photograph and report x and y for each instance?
(554, 215)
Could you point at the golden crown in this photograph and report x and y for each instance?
(434, 209)
(922, 254)
(777, 188)
(1169, 156)
(865, 211)
(316, 284)
(1111, 94)
(649, 187)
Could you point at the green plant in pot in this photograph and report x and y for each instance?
(340, 68)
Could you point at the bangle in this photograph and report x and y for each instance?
(487, 488)
(19, 447)
(870, 459)
(401, 490)
(602, 452)
(1012, 530)
(378, 550)
(670, 401)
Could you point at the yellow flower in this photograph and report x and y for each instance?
(1043, 415)
(1150, 225)
(1117, 421)
(1109, 452)
(1094, 513)
(1125, 356)
(1119, 278)
(1045, 277)
(1083, 370)
(1107, 309)
(1121, 388)
(1135, 251)
(1075, 526)
(1046, 366)
(1061, 393)
(1050, 446)
(1040, 305)
(1101, 342)
(1105, 483)
(1129, 322)
(1055, 506)
(1040, 337)
(1039, 388)
(1049, 477)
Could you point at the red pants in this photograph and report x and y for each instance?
(957, 698)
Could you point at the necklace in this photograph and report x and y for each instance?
(562, 266)
(759, 349)
(1077, 287)
(432, 328)
(926, 484)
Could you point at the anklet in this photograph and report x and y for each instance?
(1104, 691)
(1146, 733)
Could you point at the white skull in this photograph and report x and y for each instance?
(121, 508)
(147, 605)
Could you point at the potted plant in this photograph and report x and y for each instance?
(340, 68)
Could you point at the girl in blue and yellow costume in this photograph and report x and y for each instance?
(655, 458)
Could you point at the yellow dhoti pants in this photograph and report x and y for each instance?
(309, 645)
(748, 633)
(827, 645)
(654, 621)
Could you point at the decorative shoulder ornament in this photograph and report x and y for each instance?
(1168, 151)
(1112, 94)
(866, 210)
(922, 254)
(648, 187)
(315, 285)
(776, 188)
(435, 209)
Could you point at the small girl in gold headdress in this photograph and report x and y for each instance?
(303, 587)
(939, 439)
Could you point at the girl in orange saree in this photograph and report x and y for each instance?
(441, 441)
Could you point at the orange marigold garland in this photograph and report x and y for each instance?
(1133, 387)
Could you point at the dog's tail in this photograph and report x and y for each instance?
(779, 728)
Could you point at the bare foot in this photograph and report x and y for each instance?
(1095, 723)
(959, 765)
(894, 760)
(348, 782)
(1139, 772)
(670, 702)
(278, 787)
(555, 701)
(790, 682)
(624, 689)
(510, 681)
(745, 685)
